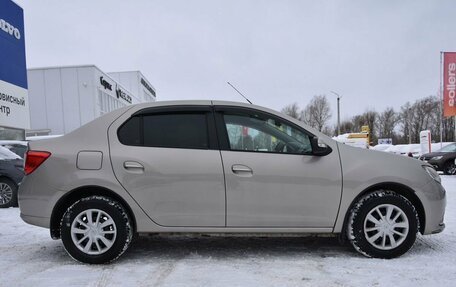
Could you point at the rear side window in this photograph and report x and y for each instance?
(179, 130)
(129, 133)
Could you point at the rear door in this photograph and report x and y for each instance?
(168, 160)
(272, 178)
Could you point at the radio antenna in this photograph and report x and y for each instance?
(239, 93)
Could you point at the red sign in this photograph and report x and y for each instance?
(449, 84)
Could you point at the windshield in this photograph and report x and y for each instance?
(448, 148)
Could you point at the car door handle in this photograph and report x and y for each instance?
(133, 165)
(241, 169)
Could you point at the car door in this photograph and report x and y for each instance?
(169, 161)
(272, 178)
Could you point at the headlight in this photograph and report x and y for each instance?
(437, 157)
(432, 173)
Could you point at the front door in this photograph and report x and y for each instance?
(272, 178)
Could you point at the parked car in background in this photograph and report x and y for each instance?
(221, 167)
(443, 159)
(11, 174)
(394, 149)
(18, 147)
(413, 150)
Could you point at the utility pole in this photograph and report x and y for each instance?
(338, 111)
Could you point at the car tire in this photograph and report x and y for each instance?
(449, 168)
(8, 193)
(96, 230)
(383, 224)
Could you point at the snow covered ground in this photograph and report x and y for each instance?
(28, 257)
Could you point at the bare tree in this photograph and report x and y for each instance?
(292, 110)
(419, 116)
(386, 122)
(317, 112)
(346, 127)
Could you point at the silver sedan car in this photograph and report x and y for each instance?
(221, 167)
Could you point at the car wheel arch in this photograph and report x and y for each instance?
(10, 179)
(399, 188)
(80, 192)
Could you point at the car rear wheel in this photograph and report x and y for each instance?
(383, 224)
(96, 230)
(8, 193)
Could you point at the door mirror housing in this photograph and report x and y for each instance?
(319, 148)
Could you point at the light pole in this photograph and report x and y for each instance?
(338, 111)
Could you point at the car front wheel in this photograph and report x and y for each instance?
(96, 230)
(383, 224)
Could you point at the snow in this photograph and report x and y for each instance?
(28, 257)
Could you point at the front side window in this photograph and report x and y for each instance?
(265, 134)
(179, 130)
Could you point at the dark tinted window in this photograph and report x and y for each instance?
(176, 130)
(129, 132)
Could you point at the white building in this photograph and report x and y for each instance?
(136, 83)
(65, 98)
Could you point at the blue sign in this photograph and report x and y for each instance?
(12, 44)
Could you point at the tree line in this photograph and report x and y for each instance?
(403, 125)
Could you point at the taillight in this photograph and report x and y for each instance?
(33, 159)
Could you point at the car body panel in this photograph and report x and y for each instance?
(12, 169)
(363, 169)
(284, 190)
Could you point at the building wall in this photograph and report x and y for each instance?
(64, 98)
(132, 81)
(61, 99)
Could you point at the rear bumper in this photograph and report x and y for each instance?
(35, 220)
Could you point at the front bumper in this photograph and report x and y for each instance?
(434, 207)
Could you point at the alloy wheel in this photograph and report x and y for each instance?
(6, 193)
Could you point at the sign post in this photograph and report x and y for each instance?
(425, 141)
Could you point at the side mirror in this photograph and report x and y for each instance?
(319, 148)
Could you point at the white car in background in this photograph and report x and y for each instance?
(381, 147)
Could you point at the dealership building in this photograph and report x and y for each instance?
(62, 99)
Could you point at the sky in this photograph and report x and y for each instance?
(373, 53)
